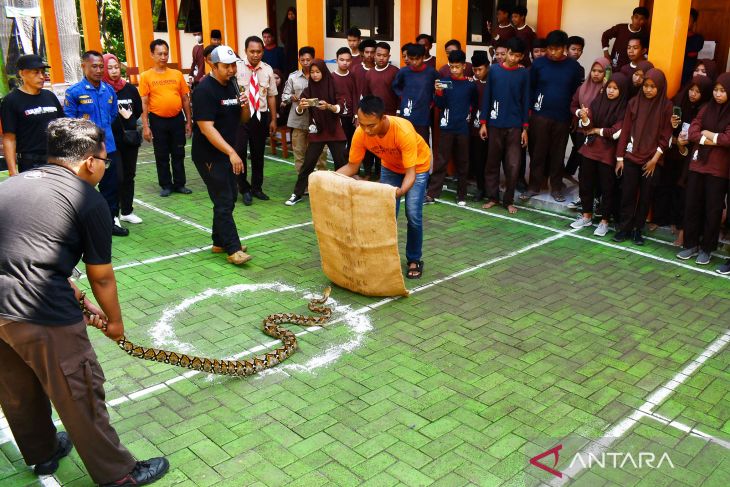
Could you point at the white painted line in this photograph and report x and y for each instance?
(589, 239)
(689, 429)
(278, 159)
(345, 317)
(196, 250)
(654, 400)
(6, 436)
(173, 216)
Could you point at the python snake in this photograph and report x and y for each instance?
(234, 367)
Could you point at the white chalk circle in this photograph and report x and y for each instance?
(163, 333)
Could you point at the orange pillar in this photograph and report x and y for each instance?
(410, 19)
(310, 25)
(174, 34)
(132, 67)
(669, 23)
(90, 24)
(211, 12)
(141, 14)
(549, 16)
(450, 24)
(53, 46)
(231, 36)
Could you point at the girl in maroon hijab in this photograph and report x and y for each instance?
(602, 125)
(325, 127)
(668, 201)
(709, 170)
(645, 136)
(706, 67)
(583, 97)
(637, 76)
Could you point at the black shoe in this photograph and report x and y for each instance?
(620, 236)
(260, 195)
(479, 196)
(145, 472)
(638, 238)
(165, 192)
(247, 198)
(50, 466)
(183, 190)
(118, 231)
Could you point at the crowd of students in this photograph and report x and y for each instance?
(641, 156)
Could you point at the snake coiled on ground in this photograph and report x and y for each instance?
(271, 326)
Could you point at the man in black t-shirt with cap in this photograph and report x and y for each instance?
(51, 217)
(217, 114)
(25, 113)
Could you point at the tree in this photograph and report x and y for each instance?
(110, 25)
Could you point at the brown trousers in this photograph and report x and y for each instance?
(505, 147)
(46, 364)
(549, 138)
(456, 147)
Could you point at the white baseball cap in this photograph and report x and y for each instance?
(223, 54)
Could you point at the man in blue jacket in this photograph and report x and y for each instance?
(92, 99)
(553, 80)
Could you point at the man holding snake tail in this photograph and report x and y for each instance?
(51, 218)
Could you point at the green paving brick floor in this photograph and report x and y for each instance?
(522, 335)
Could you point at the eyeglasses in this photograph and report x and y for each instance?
(107, 161)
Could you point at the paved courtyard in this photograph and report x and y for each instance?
(523, 336)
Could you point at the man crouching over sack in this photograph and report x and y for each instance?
(52, 217)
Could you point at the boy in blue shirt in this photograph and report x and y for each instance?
(456, 96)
(554, 79)
(478, 146)
(414, 84)
(504, 113)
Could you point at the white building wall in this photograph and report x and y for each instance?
(590, 19)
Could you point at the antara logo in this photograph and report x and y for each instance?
(603, 460)
(553, 451)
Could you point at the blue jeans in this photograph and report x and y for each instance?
(414, 209)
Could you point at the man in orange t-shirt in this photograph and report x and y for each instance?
(165, 95)
(405, 158)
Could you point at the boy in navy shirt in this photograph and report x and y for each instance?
(478, 146)
(504, 112)
(553, 78)
(414, 84)
(455, 96)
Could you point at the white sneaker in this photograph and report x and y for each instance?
(461, 203)
(116, 221)
(293, 200)
(131, 218)
(581, 222)
(601, 230)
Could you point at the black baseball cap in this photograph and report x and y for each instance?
(31, 61)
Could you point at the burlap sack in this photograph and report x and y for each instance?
(357, 233)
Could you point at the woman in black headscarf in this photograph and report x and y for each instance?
(325, 127)
(288, 36)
